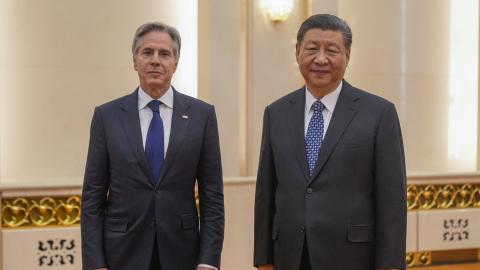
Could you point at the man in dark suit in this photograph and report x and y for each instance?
(330, 191)
(147, 150)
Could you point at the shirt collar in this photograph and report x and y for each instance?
(144, 98)
(329, 100)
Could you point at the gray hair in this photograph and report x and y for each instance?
(160, 27)
(326, 22)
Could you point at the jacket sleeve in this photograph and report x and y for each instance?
(210, 188)
(390, 193)
(264, 199)
(94, 195)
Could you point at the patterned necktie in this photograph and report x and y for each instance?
(154, 144)
(314, 137)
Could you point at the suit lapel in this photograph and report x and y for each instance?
(296, 123)
(345, 109)
(131, 125)
(180, 121)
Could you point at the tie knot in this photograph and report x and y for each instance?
(154, 105)
(318, 106)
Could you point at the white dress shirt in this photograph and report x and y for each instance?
(146, 114)
(166, 112)
(329, 101)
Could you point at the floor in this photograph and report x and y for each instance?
(470, 266)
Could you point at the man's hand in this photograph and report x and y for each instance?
(266, 267)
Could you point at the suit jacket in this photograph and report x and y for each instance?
(352, 210)
(123, 211)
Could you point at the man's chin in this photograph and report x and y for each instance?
(156, 83)
(319, 84)
(151, 86)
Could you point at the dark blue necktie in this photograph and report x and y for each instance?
(314, 137)
(154, 144)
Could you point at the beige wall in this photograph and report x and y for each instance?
(323, 6)
(408, 55)
(239, 203)
(272, 69)
(59, 60)
(403, 53)
(245, 63)
(400, 54)
(222, 75)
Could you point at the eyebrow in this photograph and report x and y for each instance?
(334, 45)
(153, 49)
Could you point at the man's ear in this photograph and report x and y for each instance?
(176, 65)
(135, 63)
(297, 51)
(348, 55)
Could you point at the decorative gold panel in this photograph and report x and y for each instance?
(422, 258)
(447, 196)
(40, 212)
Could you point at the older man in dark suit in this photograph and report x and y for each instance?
(331, 181)
(147, 150)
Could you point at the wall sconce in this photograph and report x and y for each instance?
(277, 10)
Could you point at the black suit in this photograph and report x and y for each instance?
(352, 210)
(123, 211)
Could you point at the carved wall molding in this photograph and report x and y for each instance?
(421, 258)
(443, 196)
(65, 211)
(40, 211)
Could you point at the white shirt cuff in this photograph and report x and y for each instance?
(207, 266)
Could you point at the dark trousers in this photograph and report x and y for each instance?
(155, 260)
(305, 262)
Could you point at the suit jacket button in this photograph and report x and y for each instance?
(302, 229)
(152, 224)
(309, 190)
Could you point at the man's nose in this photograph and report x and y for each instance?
(321, 58)
(155, 59)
